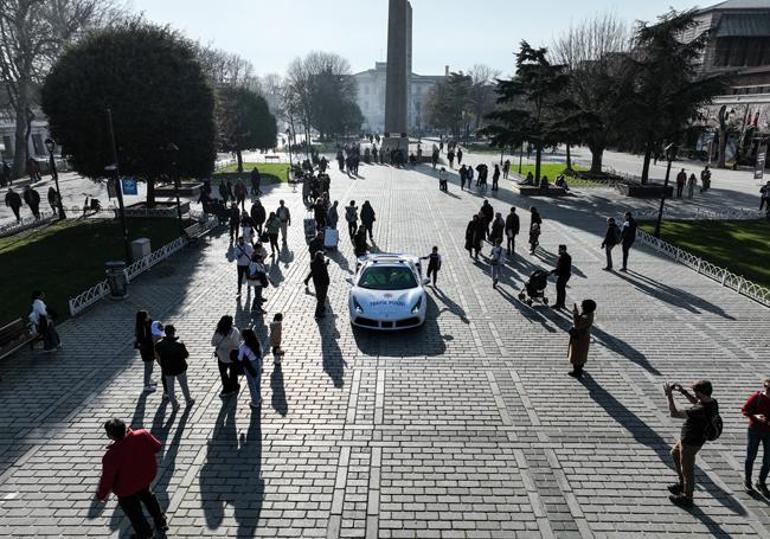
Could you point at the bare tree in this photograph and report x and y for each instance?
(591, 52)
(481, 94)
(226, 68)
(32, 35)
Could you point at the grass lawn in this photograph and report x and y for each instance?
(554, 169)
(271, 172)
(743, 247)
(65, 259)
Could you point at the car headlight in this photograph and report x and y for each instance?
(357, 306)
(417, 305)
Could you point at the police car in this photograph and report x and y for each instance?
(387, 292)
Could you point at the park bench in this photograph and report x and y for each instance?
(15, 335)
(532, 190)
(195, 231)
(272, 157)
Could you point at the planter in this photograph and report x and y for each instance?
(637, 190)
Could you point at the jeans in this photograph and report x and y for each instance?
(242, 272)
(432, 270)
(755, 436)
(368, 228)
(284, 230)
(132, 507)
(684, 462)
(254, 383)
(608, 252)
(273, 242)
(182, 383)
(148, 366)
(626, 248)
(352, 228)
(496, 270)
(229, 377)
(258, 300)
(511, 244)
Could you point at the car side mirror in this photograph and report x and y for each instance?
(349, 280)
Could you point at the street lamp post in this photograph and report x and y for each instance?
(50, 145)
(670, 156)
(521, 153)
(115, 172)
(172, 150)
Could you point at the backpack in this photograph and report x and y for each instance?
(617, 236)
(713, 428)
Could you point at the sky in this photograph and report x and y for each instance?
(457, 33)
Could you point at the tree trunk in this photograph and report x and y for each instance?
(597, 155)
(21, 140)
(646, 165)
(239, 157)
(569, 158)
(150, 193)
(722, 147)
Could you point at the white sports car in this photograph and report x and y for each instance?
(387, 292)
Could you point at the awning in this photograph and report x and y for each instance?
(755, 25)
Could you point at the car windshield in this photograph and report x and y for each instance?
(387, 278)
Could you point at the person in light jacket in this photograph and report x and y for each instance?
(580, 336)
(42, 320)
(332, 216)
(226, 341)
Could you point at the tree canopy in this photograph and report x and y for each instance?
(243, 121)
(150, 79)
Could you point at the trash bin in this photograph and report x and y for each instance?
(117, 279)
(140, 248)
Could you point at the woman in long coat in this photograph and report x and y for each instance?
(473, 235)
(580, 336)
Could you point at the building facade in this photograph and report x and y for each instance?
(371, 97)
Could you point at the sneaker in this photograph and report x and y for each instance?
(681, 500)
(748, 486)
(189, 403)
(149, 389)
(256, 405)
(225, 394)
(161, 526)
(573, 374)
(623, 270)
(607, 269)
(175, 404)
(165, 396)
(675, 489)
(762, 488)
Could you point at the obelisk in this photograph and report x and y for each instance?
(397, 76)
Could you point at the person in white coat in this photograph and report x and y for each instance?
(226, 342)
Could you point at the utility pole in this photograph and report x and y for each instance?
(118, 187)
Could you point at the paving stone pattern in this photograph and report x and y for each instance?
(468, 427)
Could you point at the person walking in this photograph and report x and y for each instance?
(463, 174)
(332, 216)
(368, 218)
(42, 318)
(32, 198)
(496, 262)
(451, 158)
(144, 342)
(226, 341)
(173, 364)
(129, 467)
(360, 248)
(434, 264)
(320, 209)
(612, 237)
(512, 228)
(757, 410)
(242, 253)
(249, 359)
(240, 194)
(628, 237)
(498, 229)
(487, 213)
(284, 216)
(506, 168)
(272, 226)
(258, 280)
(223, 193)
(691, 181)
(13, 201)
(473, 235)
(256, 180)
(580, 336)
(276, 336)
(482, 179)
(247, 228)
(535, 223)
(563, 272)
(351, 216)
(235, 221)
(53, 197)
(705, 179)
(681, 179)
(496, 178)
(697, 419)
(459, 156)
(443, 177)
(258, 215)
(469, 178)
(320, 272)
(764, 197)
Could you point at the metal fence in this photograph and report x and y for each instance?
(703, 214)
(726, 278)
(26, 223)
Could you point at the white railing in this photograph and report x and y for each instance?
(84, 300)
(726, 278)
(26, 223)
(703, 214)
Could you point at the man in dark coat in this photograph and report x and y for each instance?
(256, 179)
(611, 238)
(628, 235)
(512, 227)
(173, 364)
(681, 179)
(235, 221)
(368, 217)
(32, 198)
(258, 215)
(320, 273)
(223, 193)
(563, 272)
(488, 213)
(316, 244)
(13, 201)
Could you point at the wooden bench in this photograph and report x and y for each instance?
(195, 231)
(272, 157)
(532, 190)
(15, 335)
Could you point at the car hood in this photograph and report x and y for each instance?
(387, 301)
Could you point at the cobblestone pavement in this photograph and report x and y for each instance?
(468, 427)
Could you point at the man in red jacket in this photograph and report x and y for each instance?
(757, 409)
(128, 469)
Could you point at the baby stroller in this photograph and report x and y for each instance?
(535, 287)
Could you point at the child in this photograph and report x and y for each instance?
(276, 330)
(534, 235)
